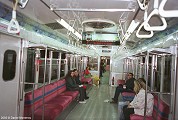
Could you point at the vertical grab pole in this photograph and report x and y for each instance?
(44, 79)
(146, 78)
(162, 73)
(59, 66)
(174, 89)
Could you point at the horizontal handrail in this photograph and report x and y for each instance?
(167, 13)
(27, 83)
(159, 93)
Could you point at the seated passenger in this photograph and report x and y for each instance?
(78, 82)
(127, 87)
(87, 73)
(138, 104)
(72, 86)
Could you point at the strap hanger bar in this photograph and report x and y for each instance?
(93, 10)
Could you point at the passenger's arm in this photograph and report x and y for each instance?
(139, 101)
(70, 84)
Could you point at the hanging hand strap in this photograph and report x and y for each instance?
(142, 26)
(153, 13)
(167, 13)
(23, 3)
(13, 26)
(143, 5)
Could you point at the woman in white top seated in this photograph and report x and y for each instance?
(138, 104)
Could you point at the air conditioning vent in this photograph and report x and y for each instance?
(98, 23)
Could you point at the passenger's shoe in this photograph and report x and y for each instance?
(82, 102)
(86, 98)
(113, 102)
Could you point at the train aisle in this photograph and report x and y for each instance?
(97, 107)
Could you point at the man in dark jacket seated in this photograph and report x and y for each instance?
(127, 87)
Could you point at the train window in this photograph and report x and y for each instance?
(68, 62)
(108, 62)
(63, 62)
(93, 63)
(42, 53)
(55, 55)
(167, 74)
(41, 71)
(54, 71)
(9, 65)
(30, 68)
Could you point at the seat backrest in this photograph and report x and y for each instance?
(50, 91)
(120, 82)
(61, 86)
(33, 100)
(160, 109)
(128, 96)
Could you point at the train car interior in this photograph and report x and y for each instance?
(47, 45)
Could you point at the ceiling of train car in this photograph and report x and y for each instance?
(39, 10)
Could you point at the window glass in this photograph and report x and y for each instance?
(41, 71)
(9, 65)
(93, 63)
(30, 68)
(55, 70)
(63, 62)
(167, 74)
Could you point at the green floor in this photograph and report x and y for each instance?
(97, 107)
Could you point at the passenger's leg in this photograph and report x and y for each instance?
(127, 112)
(119, 89)
(81, 92)
(85, 94)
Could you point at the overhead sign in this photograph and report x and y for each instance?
(100, 42)
(106, 51)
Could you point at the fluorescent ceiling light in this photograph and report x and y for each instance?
(78, 35)
(68, 27)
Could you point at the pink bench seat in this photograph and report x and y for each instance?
(56, 99)
(128, 96)
(51, 111)
(120, 82)
(85, 80)
(160, 111)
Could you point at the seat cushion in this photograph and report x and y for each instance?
(139, 117)
(51, 111)
(160, 109)
(128, 96)
(74, 94)
(63, 101)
